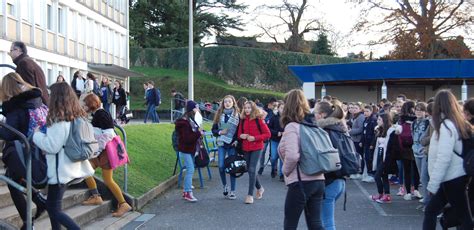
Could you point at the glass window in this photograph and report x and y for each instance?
(49, 17)
(60, 20)
(39, 16)
(25, 10)
(11, 9)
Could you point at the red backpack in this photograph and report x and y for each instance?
(405, 138)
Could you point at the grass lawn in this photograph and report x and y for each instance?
(152, 157)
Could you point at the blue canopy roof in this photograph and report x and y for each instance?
(386, 70)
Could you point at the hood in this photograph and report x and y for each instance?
(407, 117)
(27, 100)
(332, 123)
(309, 120)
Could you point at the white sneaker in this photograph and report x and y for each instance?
(232, 196)
(417, 194)
(226, 190)
(368, 179)
(355, 177)
(422, 200)
(407, 196)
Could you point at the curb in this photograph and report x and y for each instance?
(140, 202)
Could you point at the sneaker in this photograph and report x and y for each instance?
(93, 200)
(355, 177)
(226, 190)
(394, 180)
(232, 196)
(259, 193)
(282, 179)
(408, 196)
(122, 209)
(249, 199)
(376, 197)
(189, 197)
(422, 200)
(260, 171)
(401, 191)
(417, 194)
(273, 173)
(385, 199)
(368, 179)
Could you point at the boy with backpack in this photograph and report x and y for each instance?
(153, 99)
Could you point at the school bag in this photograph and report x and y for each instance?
(157, 97)
(235, 165)
(317, 152)
(467, 154)
(405, 137)
(201, 159)
(347, 153)
(174, 140)
(81, 143)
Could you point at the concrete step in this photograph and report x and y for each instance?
(109, 222)
(5, 199)
(80, 214)
(71, 198)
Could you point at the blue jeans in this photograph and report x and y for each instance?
(331, 195)
(251, 159)
(274, 157)
(151, 111)
(221, 156)
(189, 164)
(106, 106)
(424, 177)
(262, 157)
(295, 203)
(54, 206)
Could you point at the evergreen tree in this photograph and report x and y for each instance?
(322, 46)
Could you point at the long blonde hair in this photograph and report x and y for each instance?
(63, 104)
(296, 107)
(255, 113)
(220, 110)
(12, 85)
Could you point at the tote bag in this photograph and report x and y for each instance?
(116, 152)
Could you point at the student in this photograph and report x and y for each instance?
(386, 146)
(188, 134)
(18, 97)
(448, 178)
(367, 143)
(295, 111)
(357, 127)
(63, 108)
(252, 131)
(78, 83)
(425, 142)
(271, 105)
(119, 98)
(60, 78)
(106, 93)
(224, 128)
(330, 117)
(419, 130)
(277, 131)
(103, 127)
(468, 109)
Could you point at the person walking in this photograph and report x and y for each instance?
(305, 192)
(64, 107)
(152, 99)
(78, 83)
(119, 98)
(106, 93)
(28, 69)
(179, 103)
(252, 131)
(276, 131)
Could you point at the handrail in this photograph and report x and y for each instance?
(28, 174)
(9, 66)
(201, 107)
(125, 171)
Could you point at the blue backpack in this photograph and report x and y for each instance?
(157, 97)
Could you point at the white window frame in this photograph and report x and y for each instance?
(61, 20)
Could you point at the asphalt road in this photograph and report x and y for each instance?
(212, 211)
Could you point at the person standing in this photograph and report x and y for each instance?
(106, 93)
(119, 98)
(78, 83)
(179, 102)
(28, 69)
(152, 98)
(271, 105)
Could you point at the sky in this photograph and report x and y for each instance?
(337, 15)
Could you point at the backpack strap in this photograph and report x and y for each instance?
(258, 125)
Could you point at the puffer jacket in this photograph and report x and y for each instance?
(248, 126)
(357, 128)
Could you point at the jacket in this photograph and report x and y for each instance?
(250, 128)
(368, 133)
(390, 148)
(289, 151)
(443, 163)
(32, 73)
(419, 130)
(331, 125)
(52, 143)
(122, 100)
(357, 128)
(109, 90)
(275, 127)
(188, 135)
(405, 153)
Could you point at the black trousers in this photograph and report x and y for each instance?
(295, 203)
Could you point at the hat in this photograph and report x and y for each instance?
(190, 106)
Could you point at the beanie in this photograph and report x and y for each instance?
(190, 105)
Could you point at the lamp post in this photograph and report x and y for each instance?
(190, 56)
(323, 91)
(464, 91)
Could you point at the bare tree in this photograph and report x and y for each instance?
(430, 20)
(290, 15)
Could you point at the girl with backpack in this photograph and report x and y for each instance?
(386, 146)
(224, 128)
(64, 107)
(188, 133)
(103, 131)
(448, 178)
(305, 192)
(18, 97)
(252, 131)
(277, 131)
(330, 117)
(356, 130)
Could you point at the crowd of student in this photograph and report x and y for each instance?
(405, 142)
(46, 119)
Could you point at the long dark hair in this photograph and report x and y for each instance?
(387, 123)
(63, 104)
(445, 104)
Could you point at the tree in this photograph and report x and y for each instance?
(291, 17)
(322, 46)
(406, 46)
(164, 23)
(429, 20)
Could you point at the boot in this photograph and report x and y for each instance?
(122, 209)
(93, 200)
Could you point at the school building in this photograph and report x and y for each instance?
(371, 81)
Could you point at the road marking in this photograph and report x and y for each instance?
(367, 195)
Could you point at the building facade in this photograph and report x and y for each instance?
(64, 36)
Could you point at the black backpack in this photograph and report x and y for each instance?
(157, 97)
(347, 153)
(467, 154)
(174, 140)
(235, 165)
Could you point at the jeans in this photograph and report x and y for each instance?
(54, 207)
(400, 172)
(411, 175)
(360, 152)
(252, 160)
(151, 111)
(425, 178)
(454, 193)
(274, 157)
(295, 203)
(221, 156)
(262, 157)
(331, 195)
(106, 106)
(189, 164)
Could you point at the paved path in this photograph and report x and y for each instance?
(212, 211)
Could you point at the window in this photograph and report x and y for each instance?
(49, 17)
(25, 10)
(38, 12)
(11, 9)
(61, 20)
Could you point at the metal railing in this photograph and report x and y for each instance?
(28, 189)
(174, 112)
(125, 168)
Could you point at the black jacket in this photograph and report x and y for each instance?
(368, 134)
(275, 127)
(102, 119)
(122, 100)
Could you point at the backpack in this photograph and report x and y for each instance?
(96, 89)
(81, 143)
(174, 140)
(157, 97)
(347, 153)
(235, 165)
(405, 138)
(201, 159)
(467, 154)
(317, 152)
